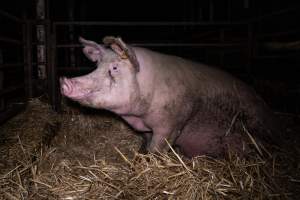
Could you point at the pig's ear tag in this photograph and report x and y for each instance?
(119, 51)
(124, 51)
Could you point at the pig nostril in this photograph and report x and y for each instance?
(66, 89)
(62, 80)
(66, 86)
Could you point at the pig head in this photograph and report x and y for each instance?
(165, 97)
(113, 85)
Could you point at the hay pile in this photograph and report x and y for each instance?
(84, 155)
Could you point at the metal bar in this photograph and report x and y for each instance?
(41, 39)
(75, 68)
(10, 40)
(207, 33)
(277, 34)
(11, 89)
(167, 45)
(11, 65)
(279, 12)
(41, 58)
(250, 47)
(39, 21)
(10, 16)
(54, 78)
(221, 53)
(211, 10)
(71, 13)
(28, 60)
(41, 63)
(50, 72)
(288, 56)
(166, 23)
(229, 10)
(2, 101)
(12, 111)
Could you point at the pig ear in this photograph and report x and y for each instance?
(92, 50)
(123, 50)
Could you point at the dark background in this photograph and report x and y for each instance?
(234, 35)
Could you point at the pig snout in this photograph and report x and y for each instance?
(66, 87)
(74, 89)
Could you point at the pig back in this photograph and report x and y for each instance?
(225, 96)
(192, 88)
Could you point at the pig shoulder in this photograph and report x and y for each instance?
(168, 85)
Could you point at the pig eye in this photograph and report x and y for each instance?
(115, 67)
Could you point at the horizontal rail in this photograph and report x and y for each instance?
(10, 40)
(166, 23)
(11, 89)
(11, 65)
(272, 14)
(290, 56)
(75, 68)
(10, 16)
(38, 63)
(10, 112)
(278, 34)
(69, 68)
(168, 45)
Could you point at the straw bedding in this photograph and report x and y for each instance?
(88, 154)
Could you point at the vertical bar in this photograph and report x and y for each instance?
(250, 48)
(27, 35)
(2, 104)
(50, 79)
(246, 3)
(185, 15)
(200, 14)
(82, 14)
(222, 39)
(55, 89)
(229, 10)
(71, 33)
(192, 12)
(211, 10)
(25, 59)
(41, 39)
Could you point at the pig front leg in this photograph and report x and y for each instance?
(158, 141)
(146, 142)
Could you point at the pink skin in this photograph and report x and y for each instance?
(166, 97)
(68, 89)
(79, 89)
(121, 94)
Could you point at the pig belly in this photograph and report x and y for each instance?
(136, 123)
(210, 140)
(202, 141)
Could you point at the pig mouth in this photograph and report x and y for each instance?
(71, 90)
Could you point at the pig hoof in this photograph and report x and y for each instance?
(143, 149)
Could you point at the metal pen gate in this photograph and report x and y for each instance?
(28, 62)
(15, 65)
(221, 28)
(18, 79)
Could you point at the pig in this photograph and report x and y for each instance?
(166, 98)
